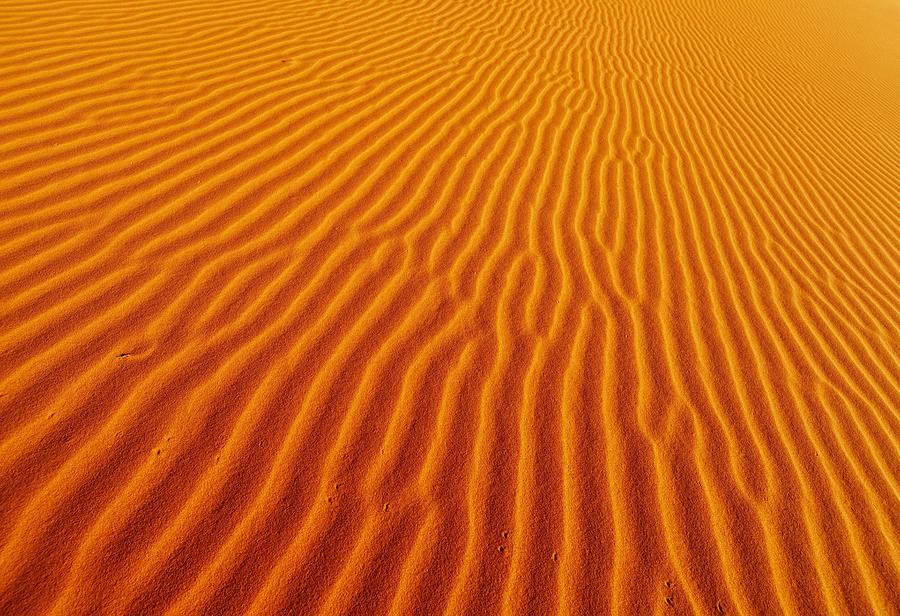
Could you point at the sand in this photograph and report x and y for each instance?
(449, 307)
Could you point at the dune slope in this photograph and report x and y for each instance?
(449, 307)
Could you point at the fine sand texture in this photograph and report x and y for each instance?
(449, 307)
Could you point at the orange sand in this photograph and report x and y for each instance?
(449, 307)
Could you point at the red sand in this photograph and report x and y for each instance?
(449, 307)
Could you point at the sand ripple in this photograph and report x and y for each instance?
(449, 307)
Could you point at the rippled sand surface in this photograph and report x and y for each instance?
(449, 307)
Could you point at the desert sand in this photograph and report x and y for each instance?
(449, 307)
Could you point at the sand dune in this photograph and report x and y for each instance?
(449, 307)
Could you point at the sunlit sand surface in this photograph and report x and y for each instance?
(449, 307)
